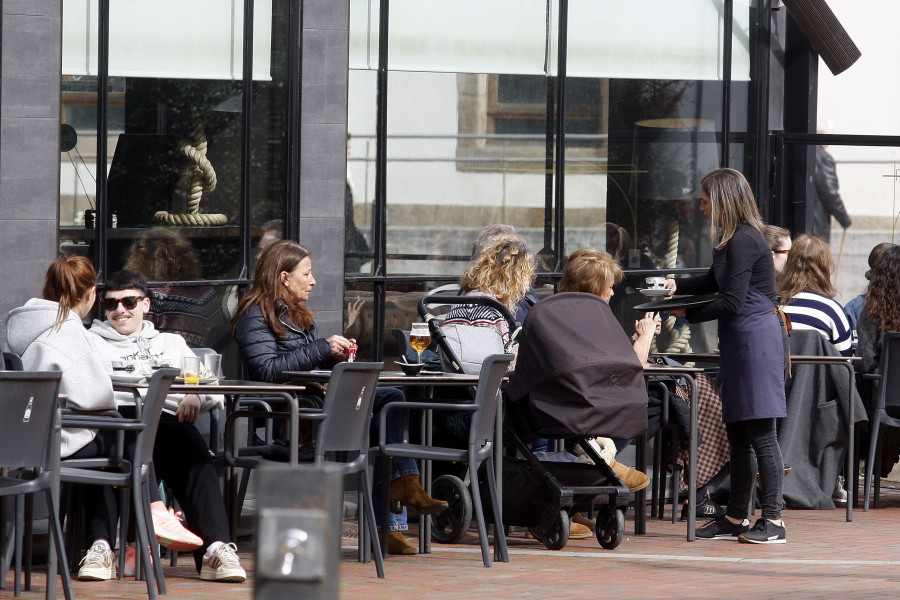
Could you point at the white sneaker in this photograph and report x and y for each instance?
(223, 565)
(840, 494)
(99, 564)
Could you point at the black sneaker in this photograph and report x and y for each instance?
(722, 529)
(764, 531)
(706, 509)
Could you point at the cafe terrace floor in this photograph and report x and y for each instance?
(825, 557)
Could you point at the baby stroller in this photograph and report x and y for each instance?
(577, 377)
(585, 367)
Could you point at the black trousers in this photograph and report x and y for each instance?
(183, 461)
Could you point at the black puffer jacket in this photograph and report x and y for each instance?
(268, 356)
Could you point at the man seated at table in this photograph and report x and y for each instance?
(180, 455)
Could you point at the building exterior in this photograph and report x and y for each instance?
(383, 135)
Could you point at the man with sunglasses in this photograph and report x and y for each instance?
(180, 455)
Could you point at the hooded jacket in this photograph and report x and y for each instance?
(69, 349)
(148, 347)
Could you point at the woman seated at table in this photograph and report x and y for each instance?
(881, 313)
(276, 332)
(807, 295)
(49, 336)
(596, 272)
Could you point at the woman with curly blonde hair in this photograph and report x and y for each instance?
(504, 270)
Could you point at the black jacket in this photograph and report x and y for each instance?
(829, 198)
(267, 356)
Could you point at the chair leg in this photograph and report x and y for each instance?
(28, 543)
(151, 540)
(124, 514)
(59, 542)
(385, 503)
(874, 440)
(499, 531)
(369, 519)
(19, 528)
(479, 512)
(143, 540)
(676, 477)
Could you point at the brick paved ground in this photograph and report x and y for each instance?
(825, 557)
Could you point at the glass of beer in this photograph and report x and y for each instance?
(190, 369)
(419, 338)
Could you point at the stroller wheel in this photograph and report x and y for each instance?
(556, 537)
(451, 525)
(611, 529)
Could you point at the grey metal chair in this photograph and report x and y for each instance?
(132, 475)
(342, 437)
(479, 449)
(885, 407)
(29, 447)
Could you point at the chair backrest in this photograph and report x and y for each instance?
(151, 409)
(889, 368)
(348, 408)
(463, 348)
(486, 398)
(27, 408)
(12, 362)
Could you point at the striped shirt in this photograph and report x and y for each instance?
(809, 310)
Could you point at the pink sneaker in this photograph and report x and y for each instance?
(172, 534)
(130, 558)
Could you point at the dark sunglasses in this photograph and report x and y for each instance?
(780, 251)
(129, 302)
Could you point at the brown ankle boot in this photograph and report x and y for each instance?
(634, 480)
(397, 543)
(409, 492)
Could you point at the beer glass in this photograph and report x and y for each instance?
(419, 338)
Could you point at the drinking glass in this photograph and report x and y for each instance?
(190, 369)
(212, 363)
(419, 338)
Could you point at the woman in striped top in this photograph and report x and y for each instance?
(807, 294)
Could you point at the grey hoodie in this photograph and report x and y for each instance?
(69, 349)
(142, 350)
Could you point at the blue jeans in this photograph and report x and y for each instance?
(399, 466)
(755, 439)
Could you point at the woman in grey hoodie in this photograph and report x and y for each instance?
(49, 336)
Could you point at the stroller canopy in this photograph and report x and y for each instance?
(577, 372)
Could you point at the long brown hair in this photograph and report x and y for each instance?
(881, 296)
(732, 205)
(68, 282)
(504, 269)
(269, 294)
(809, 265)
(590, 271)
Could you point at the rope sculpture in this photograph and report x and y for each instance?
(680, 339)
(195, 179)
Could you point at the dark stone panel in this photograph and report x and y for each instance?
(313, 104)
(323, 150)
(23, 198)
(32, 42)
(47, 8)
(29, 97)
(30, 148)
(315, 59)
(322, 198)
(326, 14)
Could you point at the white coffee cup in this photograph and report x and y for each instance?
(656, 283)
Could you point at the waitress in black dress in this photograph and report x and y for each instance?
(751, 347)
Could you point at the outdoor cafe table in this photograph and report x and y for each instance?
(640, 517)
(427, 381)
(845, 362)
(233, 390)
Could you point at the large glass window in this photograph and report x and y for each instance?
(190, 196)
(473, 111)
